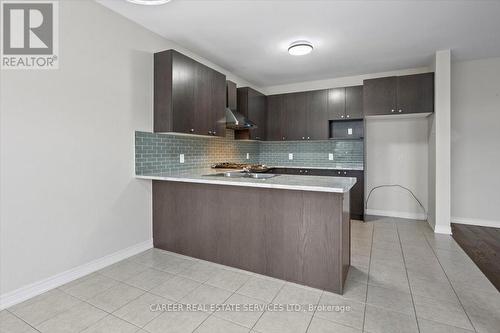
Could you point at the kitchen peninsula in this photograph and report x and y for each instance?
(291, 222)
(290, 227)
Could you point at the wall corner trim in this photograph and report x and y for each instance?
(442, 229)
(478, 222)
(34, 289)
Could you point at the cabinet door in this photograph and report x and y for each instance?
(184, 71)
(231, 95)
(336, 104)
(274, 117)
(218, 104)
(354, 102)
(257, 113)
(415, 93)
(317, 116)
(203, 101)
(210, 101)
(295, 115)
(379, 96)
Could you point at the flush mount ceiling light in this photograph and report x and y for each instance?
(149, 2)
(300, 47)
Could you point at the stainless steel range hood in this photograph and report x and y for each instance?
(236, 120)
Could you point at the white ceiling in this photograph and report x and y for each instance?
(250, 38)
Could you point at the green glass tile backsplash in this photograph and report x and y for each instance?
(156, 152)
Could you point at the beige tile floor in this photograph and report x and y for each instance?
(404, 278)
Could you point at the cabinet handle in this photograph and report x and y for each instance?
(303, 137)
(400, 110)
(341, 116)
(306, 171)
(214, 132)
(345, 173)
(339, 172)
(308, 138)
(392, 110)
(191, 130)
(300, 171)
(347, 116)
(210, 132)
(283, 138)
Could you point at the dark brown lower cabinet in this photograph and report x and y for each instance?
(357, 197)
(298, 236)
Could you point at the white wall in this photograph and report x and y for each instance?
(396, 153)
(68, 195)
(475, 147)
(338, 82)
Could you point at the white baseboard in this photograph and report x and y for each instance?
(403, 215)
(37, 288)
(479, 222)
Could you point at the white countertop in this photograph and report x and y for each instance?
(337, 167)
(285, 182)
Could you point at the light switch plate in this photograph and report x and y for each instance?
(248, 156)
(349, 131)
(330, 157)
(181, 158)
(290, 156)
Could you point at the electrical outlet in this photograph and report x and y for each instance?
(181, 158)
(330, 157)
(248, 156)
(349, 131)
(290, 156)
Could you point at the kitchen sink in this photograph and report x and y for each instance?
(244, 175)
(232, 174)
(262, 175)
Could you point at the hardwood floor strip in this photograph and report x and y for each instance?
(482, 245)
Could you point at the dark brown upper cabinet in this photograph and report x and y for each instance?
(306, 115)
(317, 116)
(189, 97)
(416, 93)
(296, 116)
(217, 113)
(276, 118)
(345, 103)
(354, 102)
(231, 95)
(336, 104)
(253, 105)
(379, 96)
(399, 95)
